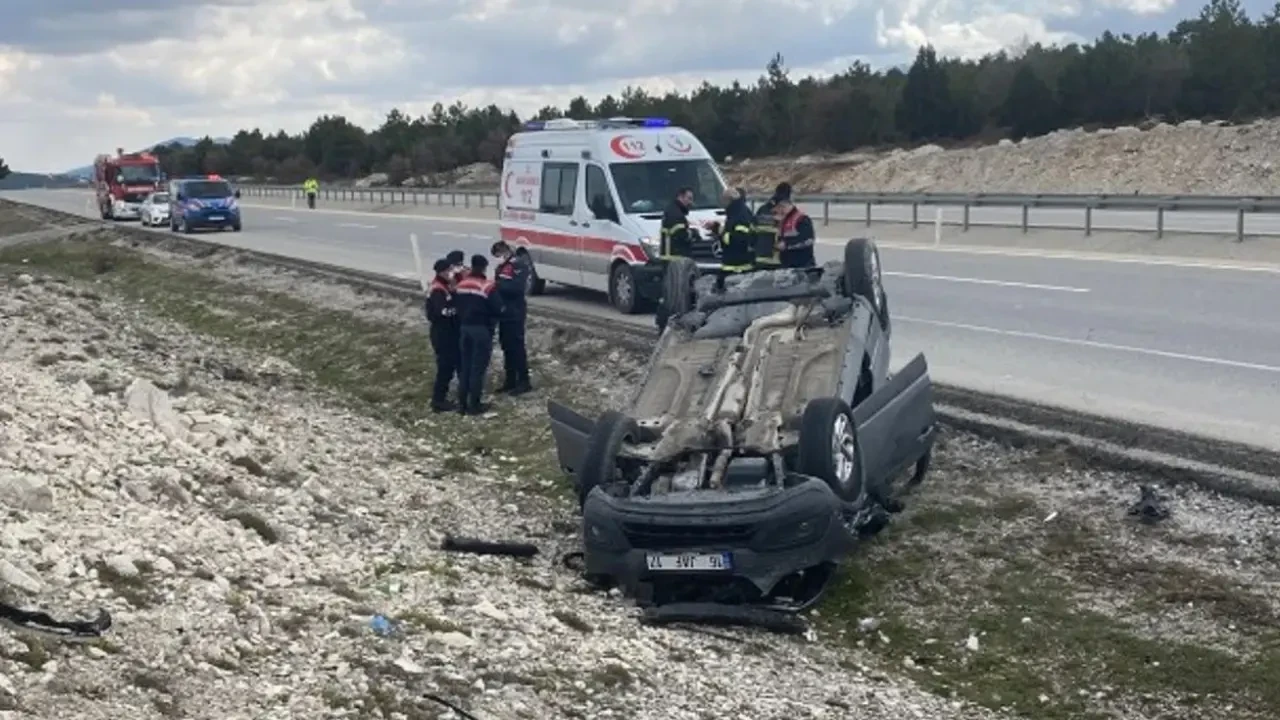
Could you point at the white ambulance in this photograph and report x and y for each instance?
(586, 199)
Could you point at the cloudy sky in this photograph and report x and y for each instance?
(79, 77)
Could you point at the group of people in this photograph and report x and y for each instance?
(464, 308)
(777, 235)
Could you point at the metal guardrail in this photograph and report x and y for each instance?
(1158, 204)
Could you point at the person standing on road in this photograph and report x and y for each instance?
(479, 309)
(768, 256)
(442, 312)
(675, 241)
(796, 235)
(512, 278)
(311, 187)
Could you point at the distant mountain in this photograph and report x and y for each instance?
(22, 181)
(87, 170)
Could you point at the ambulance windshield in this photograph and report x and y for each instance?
(648, 187)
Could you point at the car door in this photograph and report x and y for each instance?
(560, 229)
(602, 231)
(896, 423)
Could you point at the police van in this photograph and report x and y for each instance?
(586, 198)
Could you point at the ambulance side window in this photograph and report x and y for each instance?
(559, 188)
(599, 198)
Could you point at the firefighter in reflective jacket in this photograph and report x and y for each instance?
(737, 254)
(443, 315)
(768, 256)
(796, 236)
(675, 241)
(479, 309)
(512, 278)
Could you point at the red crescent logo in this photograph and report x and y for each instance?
(506, 184)
(627, 147)
(679, 144)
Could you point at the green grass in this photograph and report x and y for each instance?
(960, 560)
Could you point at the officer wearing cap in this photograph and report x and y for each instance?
(443, 316)
(512, 278)
(479, 309)
(457, 264)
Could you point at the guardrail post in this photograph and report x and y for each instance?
(481, 201)
(466, 200)
(1088, 220)
(966, 217)
(915, 215)
(454, 198)
(1160, 222)
(1240, 224)
(1026, 212)
(826, 212)
(868, 214)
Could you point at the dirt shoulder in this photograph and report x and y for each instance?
(1014, 580)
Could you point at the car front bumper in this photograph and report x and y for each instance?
(212, 218)
(766, 536)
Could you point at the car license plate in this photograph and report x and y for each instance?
(215, 218)
(661, 562)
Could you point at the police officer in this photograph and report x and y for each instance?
(443, 315)
(512, 278)
(311, 187)
(479, 308)
(458, 261)
(796, 235)
(768, 256)
(675, 240)
(737, 251)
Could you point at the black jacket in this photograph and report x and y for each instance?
(441, 310)
(737, 236)
(676, 240)
(798, 238)
(478, 301)
(512, 278)
(766, 235)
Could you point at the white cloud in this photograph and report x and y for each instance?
(79, 77)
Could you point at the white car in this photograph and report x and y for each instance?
(154, 210)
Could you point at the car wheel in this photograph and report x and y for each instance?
(677, 286)
(235, 228)
(863, 276)
(184, 226)
(622, 289)
(600, 457)
(829, 448)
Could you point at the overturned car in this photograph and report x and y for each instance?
(767, 436)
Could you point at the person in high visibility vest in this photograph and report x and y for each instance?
(768, 250)
(311, 187)
(736, 236)
(675, 241)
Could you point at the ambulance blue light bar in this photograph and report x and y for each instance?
(655, 122)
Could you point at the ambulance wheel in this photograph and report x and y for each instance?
(623, 293)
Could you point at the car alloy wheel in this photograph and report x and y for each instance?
(843, 449)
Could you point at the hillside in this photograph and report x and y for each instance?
(86, 171)
(22, 181)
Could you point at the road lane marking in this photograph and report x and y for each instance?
(358, 225)
(446, 233)
(1239, 364)
(286, 219)
(981, 281)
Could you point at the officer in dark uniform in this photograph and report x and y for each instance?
(736, 236)
(768, 256)
(675, 240)
(512, 278)
(443, 315)
(796, 236)
(479, 309)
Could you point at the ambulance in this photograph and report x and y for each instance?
(586, 197)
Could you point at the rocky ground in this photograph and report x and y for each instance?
(238, 462)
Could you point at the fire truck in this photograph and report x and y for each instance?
(123, 182)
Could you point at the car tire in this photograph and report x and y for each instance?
(600, 457)
(677, 286)
(829, 448)
(235, 228)
(624, 293)
(863, 276)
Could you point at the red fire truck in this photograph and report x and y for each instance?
(123, 182)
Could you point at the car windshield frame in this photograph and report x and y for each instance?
(649, 186)
(134, 174)
(207, 190)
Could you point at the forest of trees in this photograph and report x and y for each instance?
(1219, 65)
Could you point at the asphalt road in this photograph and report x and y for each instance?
(1217, 223)
(1193, 346)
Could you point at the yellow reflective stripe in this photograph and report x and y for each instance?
(736, 268)
(673, 228)
(741, 228)
(771, 260)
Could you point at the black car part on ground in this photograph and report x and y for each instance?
(476, 546)
(41, 623)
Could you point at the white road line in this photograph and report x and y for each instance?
(446, 233)
(980, 281)
(358, 225)
(286, 219)
(1094, 344)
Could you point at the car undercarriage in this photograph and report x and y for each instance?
(764, 441)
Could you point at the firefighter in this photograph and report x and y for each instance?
(675, 240)
(737, 253)
(311, 187)
(796, 235)
(479, 308)
(442, 312)
(512, 278)
(768, 256)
